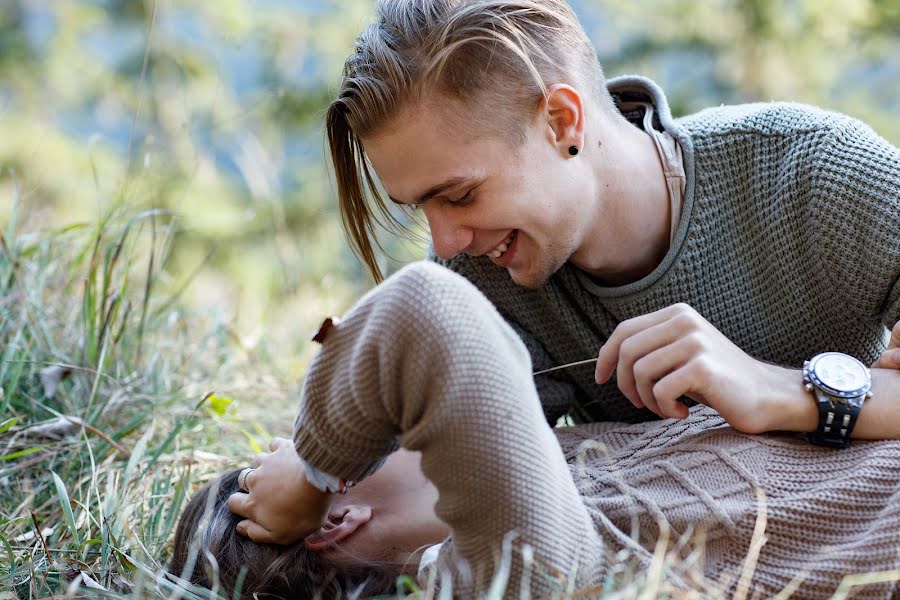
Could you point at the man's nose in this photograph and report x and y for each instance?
(448, 236)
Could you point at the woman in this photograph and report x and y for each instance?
(425, 362)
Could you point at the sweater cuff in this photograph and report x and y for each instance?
(324, 468)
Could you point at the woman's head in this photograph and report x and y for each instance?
(208, 552)
(483, 65)
(373, 533)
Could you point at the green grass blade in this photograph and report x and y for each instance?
(10, 555)
(136, 455)
(21, 453)
(66, 506)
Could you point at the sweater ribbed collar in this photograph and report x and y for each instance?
(637, 88)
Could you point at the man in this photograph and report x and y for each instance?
(695, 254)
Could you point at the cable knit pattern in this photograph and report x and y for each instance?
(426, 362)
(828, 513)
(789, 244)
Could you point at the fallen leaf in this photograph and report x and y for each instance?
(91, 582)
(54, 429)
(51, 377)
(219, 404)
(29, 535)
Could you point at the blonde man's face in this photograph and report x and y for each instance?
(519, 207)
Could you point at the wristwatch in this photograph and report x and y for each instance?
(840, 385)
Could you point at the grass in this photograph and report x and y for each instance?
(117, 403)
(114, 403)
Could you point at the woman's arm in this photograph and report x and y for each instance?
(426, 362)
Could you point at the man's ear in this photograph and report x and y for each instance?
(564, 111)
(341, 524)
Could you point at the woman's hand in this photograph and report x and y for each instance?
(675, 352)
(281, 507)
(890, 358)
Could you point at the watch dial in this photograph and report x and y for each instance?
(841, 372)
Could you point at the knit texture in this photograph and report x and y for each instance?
(789, 244)
(426, 362)
(827, 513)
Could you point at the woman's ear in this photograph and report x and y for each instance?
(341, 524)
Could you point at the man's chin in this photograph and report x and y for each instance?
(530, 280)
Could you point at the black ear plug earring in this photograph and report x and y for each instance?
(573, 150)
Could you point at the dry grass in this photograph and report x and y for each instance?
(116, 404)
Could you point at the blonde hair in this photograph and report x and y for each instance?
(502, 53)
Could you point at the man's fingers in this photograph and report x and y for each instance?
(888, 360)
(655, 366)
(258, 460)
(634, 350)
(895, 337)
(670, 388)
(608, 356)
(255, 532)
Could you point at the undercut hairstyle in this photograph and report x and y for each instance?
(209, 553)
(467, 54)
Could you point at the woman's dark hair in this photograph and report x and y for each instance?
(208, 552)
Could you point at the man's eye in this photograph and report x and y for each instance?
(462, 201)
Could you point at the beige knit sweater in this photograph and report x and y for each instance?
(426, 362)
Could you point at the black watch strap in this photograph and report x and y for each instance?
(837, 417)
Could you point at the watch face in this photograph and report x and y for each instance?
(841, 372)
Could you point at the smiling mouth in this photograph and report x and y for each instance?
(504, 246)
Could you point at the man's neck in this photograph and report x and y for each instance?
(630, 234)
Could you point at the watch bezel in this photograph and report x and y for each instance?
(810, 376)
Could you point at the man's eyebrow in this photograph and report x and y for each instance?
(449, 183)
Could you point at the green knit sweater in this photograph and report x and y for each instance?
(789, 244)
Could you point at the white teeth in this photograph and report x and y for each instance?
(498, 252)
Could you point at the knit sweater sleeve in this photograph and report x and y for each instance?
(424, 361)
(557, 394)
(855, 190)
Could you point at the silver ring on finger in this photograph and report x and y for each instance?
(242, 479)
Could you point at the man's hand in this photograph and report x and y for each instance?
(890, 358)
(282, 507)
(675, 352)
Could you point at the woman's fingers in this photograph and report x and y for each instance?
(280, 442)
(274, 446)
(255, 532)
(240, 504)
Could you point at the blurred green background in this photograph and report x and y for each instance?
(213, 111)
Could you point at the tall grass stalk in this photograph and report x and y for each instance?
(105, 422)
